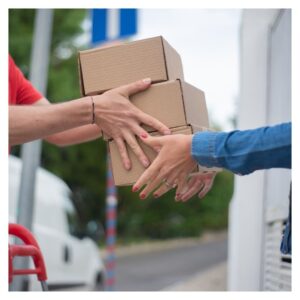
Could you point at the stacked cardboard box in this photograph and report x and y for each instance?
(177, 104)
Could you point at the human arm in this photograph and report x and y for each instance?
(244, 152)
(238, 151)
(30, 122)
(113, 111)
(72, 136)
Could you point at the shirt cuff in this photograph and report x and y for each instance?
(203, 149)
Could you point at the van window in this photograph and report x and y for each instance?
(72, 217)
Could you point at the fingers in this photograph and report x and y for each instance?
(168, 184)
(133, 144)
(192, 181)
(154, 142)
(206, 188)
(152, 185)
(154, 123)
(180, 187)
(149, 173)
(134, 87)
(162, 190)
(198, 186)
(123, 152)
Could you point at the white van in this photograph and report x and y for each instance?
(71, 262)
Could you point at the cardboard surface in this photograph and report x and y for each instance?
(101, 69)
(122, 177)
(175, 103)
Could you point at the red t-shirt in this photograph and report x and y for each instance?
(21, 91)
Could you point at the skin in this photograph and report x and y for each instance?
(200, 183)
(173, 165)
(70, 122)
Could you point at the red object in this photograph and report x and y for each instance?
(30, 248)
(21, 91)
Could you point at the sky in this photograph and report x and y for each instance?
(208, 43)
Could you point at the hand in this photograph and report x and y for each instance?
(121, 120)
(172, 165)
(197, 182)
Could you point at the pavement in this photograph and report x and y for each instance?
(159, 245)
(212, 279)
(193, 264)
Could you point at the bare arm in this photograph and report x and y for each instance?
(27, 123)
(73, 136)
(114, 114)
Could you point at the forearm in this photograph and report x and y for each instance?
(27, 123)
(75, 136)
(244, 151)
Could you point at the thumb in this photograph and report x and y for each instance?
(134, 87)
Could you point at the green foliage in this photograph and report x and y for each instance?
(165, 218)
(83, 166)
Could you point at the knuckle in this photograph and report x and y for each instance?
(134, 146)
(129, 114)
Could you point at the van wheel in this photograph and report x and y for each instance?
(99, 283)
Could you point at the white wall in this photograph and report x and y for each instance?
(247, 209)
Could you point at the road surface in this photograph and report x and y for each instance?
(158, 270)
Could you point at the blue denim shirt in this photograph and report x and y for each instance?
(244, 152)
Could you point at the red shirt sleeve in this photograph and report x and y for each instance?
(21, 91)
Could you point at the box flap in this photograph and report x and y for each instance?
(173, 61)
(195, 106)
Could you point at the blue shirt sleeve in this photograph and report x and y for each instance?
(246, 151)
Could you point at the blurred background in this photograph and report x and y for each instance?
(241, 59)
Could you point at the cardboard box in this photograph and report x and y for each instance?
(175, 103)
(106, 68)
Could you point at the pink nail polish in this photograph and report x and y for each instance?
(135, 188)
(144, 135)
(155, 195)
(142, 196)
(145, 163)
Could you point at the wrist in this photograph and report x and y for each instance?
(84, 109)
(93, 110)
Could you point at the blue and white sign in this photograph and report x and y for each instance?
(113, 24)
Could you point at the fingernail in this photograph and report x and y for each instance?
(142, 196)
(155, 195)
(147, 80)
(145, 163)
(127, 166)
(135, 188)
(144, 135)
(166, 132)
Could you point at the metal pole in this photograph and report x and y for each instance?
(111, 225)
(31, 152)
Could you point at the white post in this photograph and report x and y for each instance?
(246, 213)
(31, 152)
